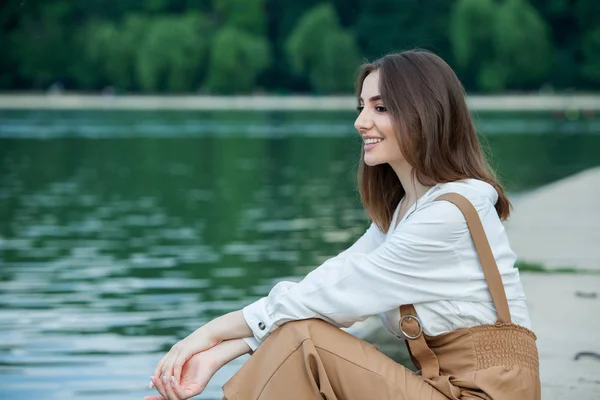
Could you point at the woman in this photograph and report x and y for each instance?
(436, 241)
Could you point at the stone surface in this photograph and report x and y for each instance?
(565, 313)
(558, 225)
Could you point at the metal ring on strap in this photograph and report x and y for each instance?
(408, 317)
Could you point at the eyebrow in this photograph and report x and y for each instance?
(374, 98)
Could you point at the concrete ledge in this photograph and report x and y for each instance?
(526, 102)
(565, 313)
(558, 225)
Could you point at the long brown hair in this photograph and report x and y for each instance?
(435, 132)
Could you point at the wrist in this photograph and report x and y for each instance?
(229, 350)
(208, 332)
(244, 348)
(227, 327)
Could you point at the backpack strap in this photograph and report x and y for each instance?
(410, 325)
(484, 252)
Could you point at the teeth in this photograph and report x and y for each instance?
(372, 141)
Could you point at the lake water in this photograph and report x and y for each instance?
(121, 232)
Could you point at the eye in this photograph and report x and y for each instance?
(380, 109)
(359, 109)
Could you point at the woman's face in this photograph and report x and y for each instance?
(374, 125)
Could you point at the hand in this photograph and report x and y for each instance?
(229, 326)
(198, 370)
(170, 367)
(195, 375)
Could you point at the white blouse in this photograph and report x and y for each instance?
(427, 259)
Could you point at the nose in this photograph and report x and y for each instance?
(363, 122)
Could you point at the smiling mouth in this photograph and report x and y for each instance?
(372, 141)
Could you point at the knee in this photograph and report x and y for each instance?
(305, 324)
(298, 331)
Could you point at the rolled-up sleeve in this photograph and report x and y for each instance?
(412, 266)
(252, 343)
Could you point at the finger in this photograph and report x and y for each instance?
(187, 392)
(170, 389)
(167, 381)
(160, 363)
(168, 367)
(158, 369)
(178, 366)
(159, 385)
(153, 398)
(165, 374)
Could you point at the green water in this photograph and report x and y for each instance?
(121, 232)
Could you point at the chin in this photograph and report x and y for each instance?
(372, 162)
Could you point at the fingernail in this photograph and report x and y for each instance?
(151, 384)
(173, 381)
(164, 379)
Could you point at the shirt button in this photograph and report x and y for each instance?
(261, 326)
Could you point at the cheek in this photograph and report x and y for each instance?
(387, 129)
(388, 132)
(392, 149)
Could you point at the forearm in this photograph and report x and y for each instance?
(230, 350)
(229, 326)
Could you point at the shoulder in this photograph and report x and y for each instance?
(442, 220)
(375, 232)
(480, 194)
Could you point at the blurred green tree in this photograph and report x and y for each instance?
(384, 26)
(471, 35)
(493, 44)
(522, 45)
(320, 50)
(112, 50)
(246, 15)
(173, 53)
(504, 45)
(566, 39)
(588, 15)
(41, 45)
(282, 17)
(590, 49)
(236, 60)
(586, 11)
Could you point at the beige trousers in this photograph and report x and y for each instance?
(312, 359)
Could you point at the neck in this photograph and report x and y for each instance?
(412, 187)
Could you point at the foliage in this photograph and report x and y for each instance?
(173, 53)
(246, 15)
(384, 26)
(522, 43)
(588, 14)
(237, 58)
(167, 53)
(171, 45)
(319, 49)
(471, 32)
(503, 44)
(112, 49)
(41, 45)
(590, 49)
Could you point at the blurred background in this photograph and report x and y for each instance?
(123, 230)
(286, 46)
